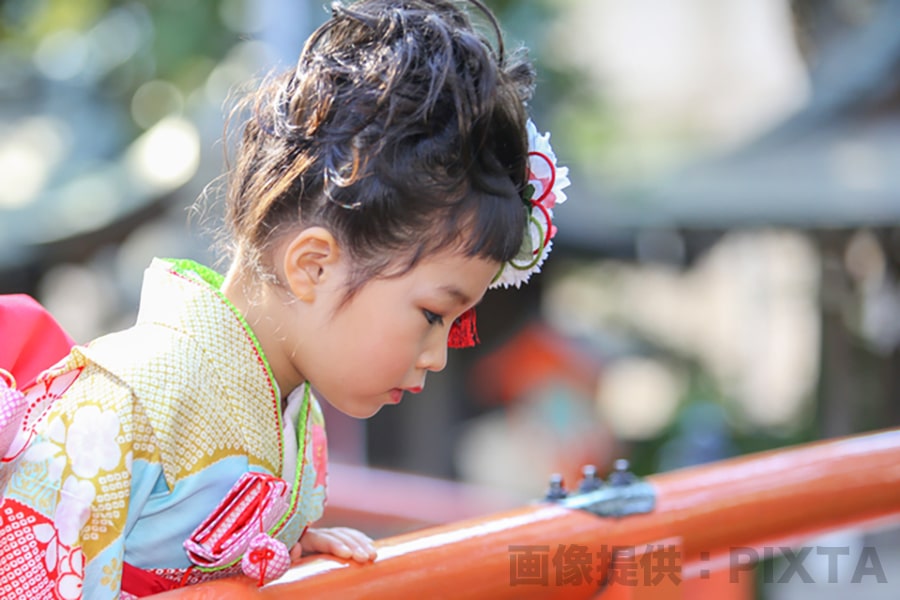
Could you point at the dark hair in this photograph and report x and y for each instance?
(402, 131)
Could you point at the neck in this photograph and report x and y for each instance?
(264, 307)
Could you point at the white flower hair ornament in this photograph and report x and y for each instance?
(546, 182)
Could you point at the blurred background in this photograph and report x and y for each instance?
(724, 280)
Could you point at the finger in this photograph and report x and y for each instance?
(346, 543)
(325, 541)
(329, 541)
(360, 544)
(296, 552)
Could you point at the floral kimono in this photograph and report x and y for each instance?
(141, 455)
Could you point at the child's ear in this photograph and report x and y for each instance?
(307, 259)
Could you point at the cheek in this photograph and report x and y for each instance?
(385, 341)
(387, 344)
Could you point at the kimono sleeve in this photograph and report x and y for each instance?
(63, 515)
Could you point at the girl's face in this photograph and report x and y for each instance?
(385, 339)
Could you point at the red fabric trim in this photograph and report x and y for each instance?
(140, 583)
(32, 339)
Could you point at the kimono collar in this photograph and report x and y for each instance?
(186, 297)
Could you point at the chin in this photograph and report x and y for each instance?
(372, 412)
(360, 412)
(358, 409)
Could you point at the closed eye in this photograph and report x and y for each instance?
(432, 317)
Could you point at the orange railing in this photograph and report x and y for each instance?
(702, 515)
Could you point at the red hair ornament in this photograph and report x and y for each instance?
(463, 332)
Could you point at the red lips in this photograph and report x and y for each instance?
(396, 394)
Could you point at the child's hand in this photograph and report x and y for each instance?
(342, 542)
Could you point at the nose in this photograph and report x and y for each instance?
(434, 355)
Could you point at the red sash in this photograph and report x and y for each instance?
(140, 583)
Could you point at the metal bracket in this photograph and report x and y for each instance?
(622, 494)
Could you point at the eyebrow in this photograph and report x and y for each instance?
(460, 296)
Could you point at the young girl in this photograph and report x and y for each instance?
(379, 189)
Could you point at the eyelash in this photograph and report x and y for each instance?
(433, 318)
